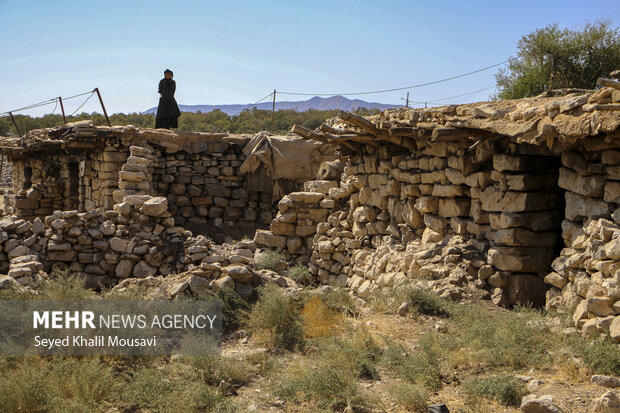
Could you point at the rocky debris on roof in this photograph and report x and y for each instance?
(562, 117)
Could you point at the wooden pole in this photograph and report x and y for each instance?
(273, 109)
(62, 109)
(407, 104)
(15, 124)
(103, 107)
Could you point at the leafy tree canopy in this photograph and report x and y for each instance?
(554, 58)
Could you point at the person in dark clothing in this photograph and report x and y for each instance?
(167, 111)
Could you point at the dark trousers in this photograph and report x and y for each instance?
(167, 123)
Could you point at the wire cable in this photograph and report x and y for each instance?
(81, 94)
(35, 105)
(253, 104)
(400, 88)
(55, 107)
(80, 107)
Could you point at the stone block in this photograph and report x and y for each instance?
(521, 259)
(526, 290)
(521, 237)
(590, 186)
(534, 221)
(503, 162)
(454, 207)
(612, 191)
(579, 207)
(610, 157)
(450, 191)
(426, 205)
(306, 197)
(155, 206)
(269, 239)
(510, 201)
(320, 186)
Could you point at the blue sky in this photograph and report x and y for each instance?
(239, 51)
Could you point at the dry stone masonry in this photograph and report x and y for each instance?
(515, 200)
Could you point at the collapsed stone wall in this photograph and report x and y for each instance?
(137, 239)
(295, 225)
(199, 175)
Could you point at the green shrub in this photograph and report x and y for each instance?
(214, 369)
(419, 367)
(300, 274)
(515, 339)
(422, 301)
(327, 385)
(603, 357)
(65, 286)
(409, 396)
(234, 309)
(152, 390)
(269, 260)
(426, 302)
(505, 389)
(356, 352)
(63, 384)
(279, 316)
(26, 389)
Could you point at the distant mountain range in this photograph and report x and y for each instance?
(319, 103)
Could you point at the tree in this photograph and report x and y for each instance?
(553, 58)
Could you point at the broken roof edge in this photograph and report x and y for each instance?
(555, 117)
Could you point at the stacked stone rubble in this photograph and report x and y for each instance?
(294, 228)
(585, 275)
(78, 166)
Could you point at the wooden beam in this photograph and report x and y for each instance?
(400, 141)
(330, 129)
(608, 107)
(360, 122)
(608, 83)
(403, 131)
(427, 125)
(309, 134)
(449, 134)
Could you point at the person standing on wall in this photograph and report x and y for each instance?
(167, 111)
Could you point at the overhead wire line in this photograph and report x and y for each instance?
(35, 105)
(44, 103)
(83, 103)
(458, 96)
(253, 104)
(81, 94)
(400, 88)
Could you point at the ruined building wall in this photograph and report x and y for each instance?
(205, 190)
(200, 179)
(517, 222)
(498, 203)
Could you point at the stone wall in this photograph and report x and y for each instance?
(295, 225)
(198, 175)
(585, 274)
(205, 189)
(502, 205)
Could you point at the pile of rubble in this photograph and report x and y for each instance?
(295, 225)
